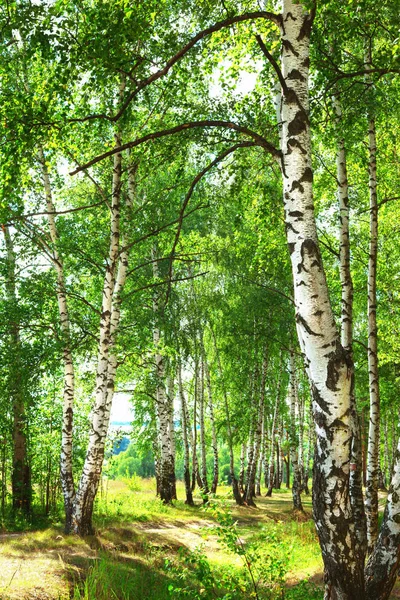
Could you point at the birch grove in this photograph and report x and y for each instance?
(189, 205)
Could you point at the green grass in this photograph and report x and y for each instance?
(144, 550)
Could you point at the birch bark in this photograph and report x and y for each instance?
(328, 364)
(167, 463)
(252, 470)
(203, 448)
(213, 428)
(262, 457)
(185, 429)
(106, 366)
(271, 468)
(371, 492)
(66, 470)
(294, 441)
(355, 488)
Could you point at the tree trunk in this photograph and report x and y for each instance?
(195, 467)
(235, 486)
(253, 461)
(213, 428)
(383, 564)
(167, 464)
(329, 366)
(346, 330)
(242, 467)
(171, 426)
(294, 441)
(114, 281)
(262, 458)
(21, 472)
(66, 470)
(203, 448)
(371, 492)
(185, 429)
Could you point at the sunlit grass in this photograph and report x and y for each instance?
(136, 534)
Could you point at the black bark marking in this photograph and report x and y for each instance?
(289, 46)
(291, 96)
(323, 404)
(291, 246)
(290, 226)
(298, 124)
(293, 143)
(307, 176)
(338, 359)
(296, 185)
(309, 248)
(296, 213)
(295, 75)
(305, 29)
(303, 322)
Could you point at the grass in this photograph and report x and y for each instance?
(137, 554)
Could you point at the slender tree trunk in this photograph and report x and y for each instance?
(107, 364)
(279, 469)
(195, 469)
(203, 448)
(371, 492)
(310, 446)
(66, 469)
(21, 473)
(294, 441)
(355, 487)
(300, 456)
(171, 426)
(235, 485)
(262, 458)
(213, 428)
(243, 452)
(167, 465)
(252, 469)
(185, 429)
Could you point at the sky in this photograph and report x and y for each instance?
(121, 411)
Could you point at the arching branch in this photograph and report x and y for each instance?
(180, 54)
(259, 139)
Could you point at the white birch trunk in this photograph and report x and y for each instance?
(328, 365)
(262, 458)
(271, 470)
(185, 429)
(104, 387)
(167, 465)
(243, 452)
(356, 493)
(252, 470)
(66, 470)
(203, 448)
(371, 492)
(294, 441)
(213, 428)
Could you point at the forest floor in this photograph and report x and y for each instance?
(143, 549)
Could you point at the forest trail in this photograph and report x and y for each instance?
(48, 565)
